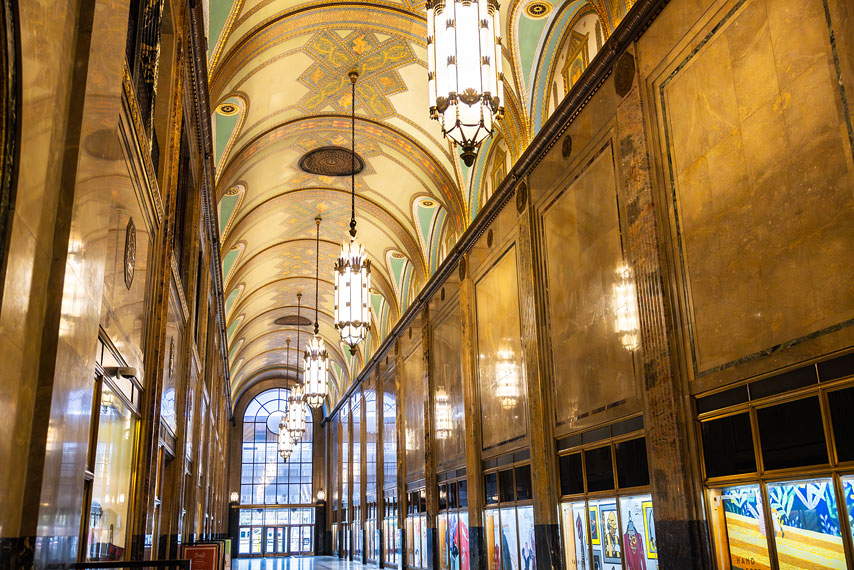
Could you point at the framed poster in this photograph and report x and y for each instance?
(649, 530)
(594, 524)
(203, 556)
(610, 534)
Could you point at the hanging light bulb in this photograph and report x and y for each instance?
(286, 442)
(352, 269)
(316, 359)
(296, 406)
(464, 79)
(296, 414)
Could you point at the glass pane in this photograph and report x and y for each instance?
(245, 517)
(491, 486)
(632, 469)
(464, 541)
(571, 474)
(638, 534)
(600, 472)
(453, 542)
(728, 446)
(113, 455)
(842, 415)
(295, 538)
(806, 525)
(493, 539)
(256, 540)
(848, 491)
(443, 540)
(505, 485)
(792, 434)
(523, 483)
(740, 526)
(243, 544)
(605, 534)
(509, 540)
(574, 528)
(527, 544)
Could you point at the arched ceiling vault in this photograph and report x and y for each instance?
(278, 78)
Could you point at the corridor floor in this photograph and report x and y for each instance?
(297, 563)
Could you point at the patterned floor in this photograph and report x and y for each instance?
(296, 563)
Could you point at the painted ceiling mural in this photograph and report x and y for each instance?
(278, 80)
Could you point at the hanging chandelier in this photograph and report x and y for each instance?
(314, 366)
(464, 78)
(352, 269)
(296, 406)
(286, 442)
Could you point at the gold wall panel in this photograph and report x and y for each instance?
(581, 227)
(759, 162)
(449, 408)
(413, 369)
(503, 387)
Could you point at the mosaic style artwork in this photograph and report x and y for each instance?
(376, 61)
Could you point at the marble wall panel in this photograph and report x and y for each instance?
(448, 405)
(585, 267)
(129, 244)
(501, 376)
(759, 159)
(413, 395)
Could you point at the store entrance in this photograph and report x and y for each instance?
(287, 540)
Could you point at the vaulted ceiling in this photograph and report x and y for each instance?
(278, 77)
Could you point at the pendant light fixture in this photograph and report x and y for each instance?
(316, 358)
(464, 79)
(286, 440)
(352, 269)
(296, 405)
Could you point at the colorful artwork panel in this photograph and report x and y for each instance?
(527, 544)
(637, 533)
(806, 525)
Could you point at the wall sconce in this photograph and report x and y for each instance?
(321, 495)
(627, 322)
(235, 497)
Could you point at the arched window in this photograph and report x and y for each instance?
(265, 478)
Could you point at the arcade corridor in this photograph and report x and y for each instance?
(427, 284)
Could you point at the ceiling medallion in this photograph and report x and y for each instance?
(428, 203)
(331, 161)
(233, 191)
(227, 109)
(397, 255)
(293, 320)
(538, 9)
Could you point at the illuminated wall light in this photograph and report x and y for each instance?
(626, 321)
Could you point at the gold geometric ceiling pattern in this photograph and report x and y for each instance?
(283, 64)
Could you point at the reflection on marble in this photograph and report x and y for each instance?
(298, 563)
(499, 354)
(763, 180)
(413, 395)
(449, 407)
(584, 259)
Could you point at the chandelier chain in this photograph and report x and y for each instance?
(317, 278)
(353, 76)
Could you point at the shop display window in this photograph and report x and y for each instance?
(111, 484)
(509, 526)
(574, 522)
(807, 529)
(443, 531)
(614, 527)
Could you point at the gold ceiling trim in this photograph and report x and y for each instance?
(249, 296)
